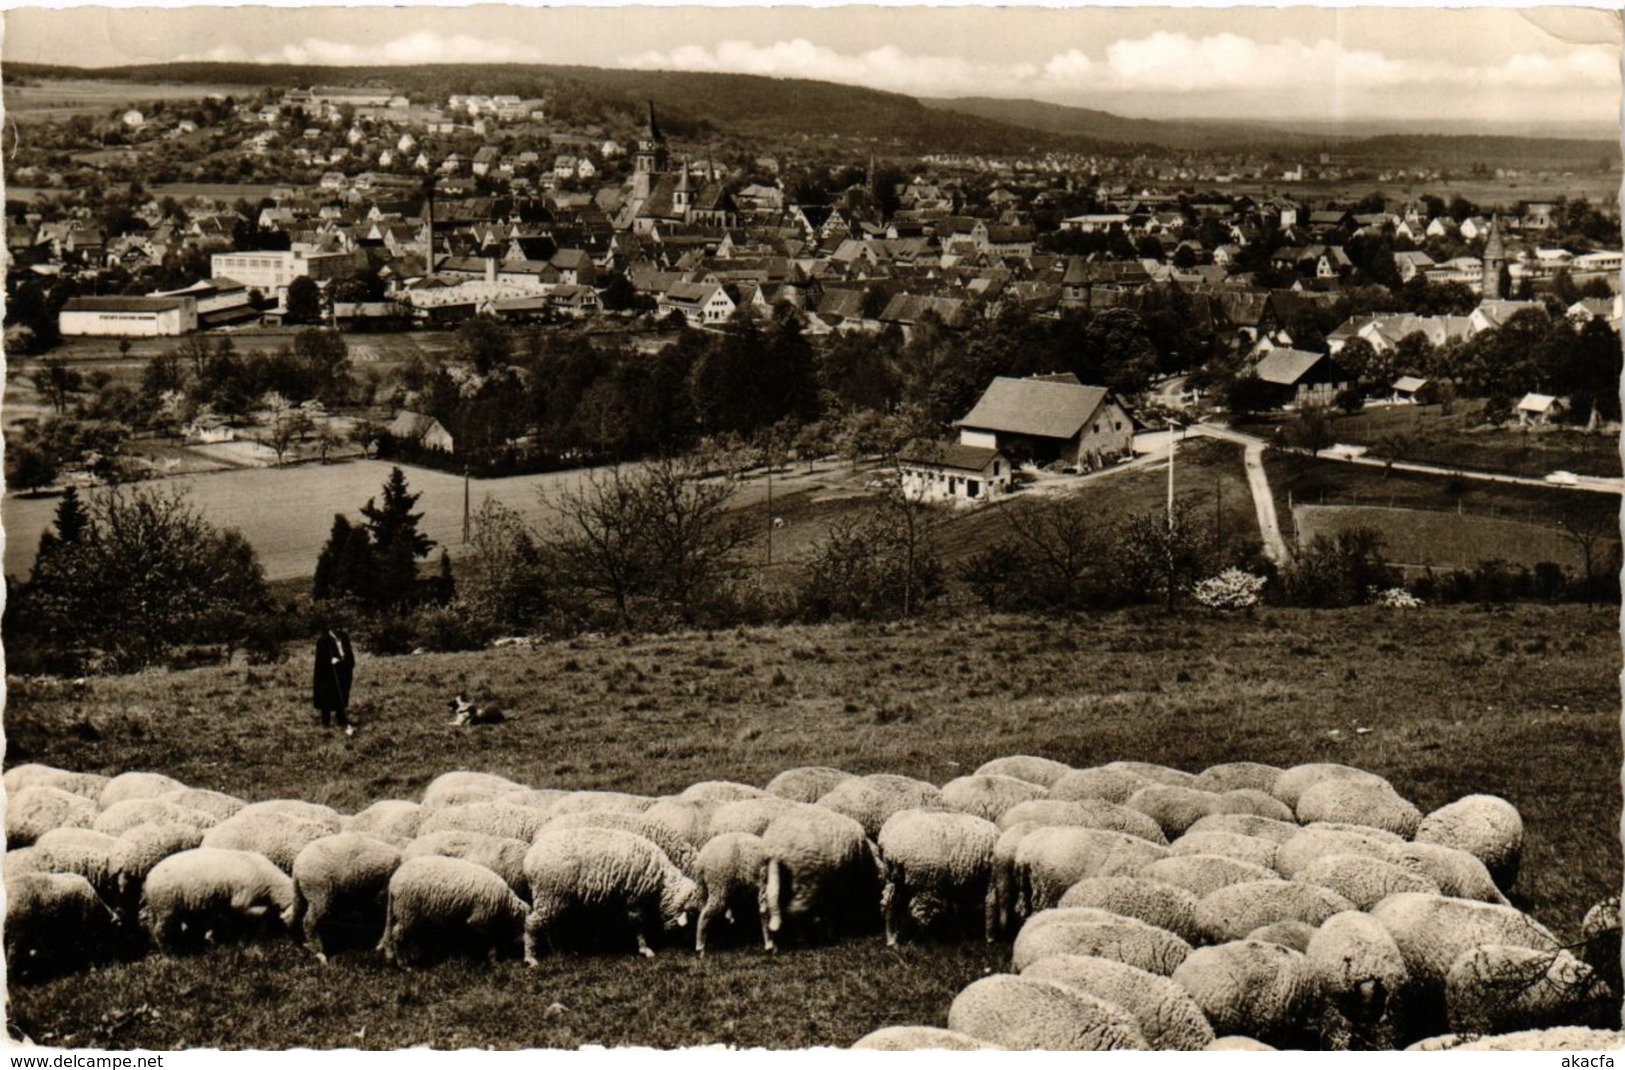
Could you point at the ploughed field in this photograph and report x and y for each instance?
(1441, 702)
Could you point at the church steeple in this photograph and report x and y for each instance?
(1495, 258)
(650, 159)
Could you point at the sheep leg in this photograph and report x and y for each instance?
(888, 910)
(713, 905)
(990, 913)
(539, 927)
(636, 917)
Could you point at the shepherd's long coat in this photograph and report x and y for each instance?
(330, 681)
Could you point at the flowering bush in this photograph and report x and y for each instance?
(1230, 589)
(1396, 598)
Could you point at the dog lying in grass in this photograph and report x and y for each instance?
(464, 712)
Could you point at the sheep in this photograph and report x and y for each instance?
(1234, 1043)
(1087, 931)
(54, 922)
(1175, 808)
(86, 853)
(535, 798)
(1157, 774)
(1108, 785)
(689, 821)
(1315, 841)
(341, 890)
(917, 1038)
(1288, 933)
(141, 848)
(731, 870)
(1254, 849)
(1563, 1038)
(870, 800)
(1229, 776)
(1023, 1014)
(325, 816)
(1230, 913)
(749, 815)
(1365, 881)
(1485, 826)
(388, 819)
(35, 775)
(1164, 1013)
(1599, 940)
(1275, 830)
(1360, 982)
(492, 818)
(504, 857)
(1166, 906)
(582, 802)
(1005, 888)
(1257, 803)
(1433, 930)
(1034, 770)
(988, 795)
(1494, 988)
(279, 837)
(461, 786)
(1203, 874)
(1457, 873)
(1249, 987)
(823, 872)
(806, 784)
(153, 810)
(137, 786)
(939, 869)
(1359, 802)
(210, 893)
(32, 812)
(1050, 860)
(439, 905)
(718, 791)
(1293, 782)
(22, 860)
(603, 870)
(1084, 813)
(678, 849)
(216, 804)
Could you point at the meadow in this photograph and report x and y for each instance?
(63, 98)
(1444, 701)
(1420, 538)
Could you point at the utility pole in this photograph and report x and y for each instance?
(770, 502)
(1173, 443)
(465, 504)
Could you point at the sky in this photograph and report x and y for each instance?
(1305, 63)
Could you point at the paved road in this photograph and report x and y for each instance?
(1269, 524)
(1595, 484)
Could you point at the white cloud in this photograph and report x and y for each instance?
(887, 67)
(421, 47)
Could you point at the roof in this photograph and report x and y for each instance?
(1285, 367)
(950, 455)
(123, 304)
(1536, 402)
(1034, 407)
(1409, 384)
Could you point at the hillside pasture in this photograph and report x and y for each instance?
(63, 98)
(1421, 538)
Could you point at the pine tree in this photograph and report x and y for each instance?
(71, 523)
(397, 542)
(346, 567)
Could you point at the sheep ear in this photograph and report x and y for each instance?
(258, 911)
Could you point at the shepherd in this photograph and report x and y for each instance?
(331, 677)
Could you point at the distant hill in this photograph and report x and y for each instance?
(1105, 126)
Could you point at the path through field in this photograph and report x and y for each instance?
(1269, 524)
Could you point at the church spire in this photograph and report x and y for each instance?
(653, 131)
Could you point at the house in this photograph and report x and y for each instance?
(1492, 314)
(1049, 418)
(1298, 377)
(423, 430)
(700, 303)
(1412, 264)
(1539, 410)
(208, 429)
(1406, 387)
(953, 472)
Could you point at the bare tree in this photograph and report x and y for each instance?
(287, 427)
(1590, 536)
(1059, 545)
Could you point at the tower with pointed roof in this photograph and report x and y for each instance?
(1495, 258)
(649, 162)
(682, 198)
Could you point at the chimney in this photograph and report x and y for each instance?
(491, 269)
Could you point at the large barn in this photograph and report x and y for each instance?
(1049, 418)
(141, 317)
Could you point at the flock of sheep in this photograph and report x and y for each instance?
(1242, 907)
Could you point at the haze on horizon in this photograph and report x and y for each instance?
(1407, 66)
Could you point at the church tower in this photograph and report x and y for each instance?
(1495, 258)
(649, 162)
(682, 198)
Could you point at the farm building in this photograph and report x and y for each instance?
(1538, 410)
(1049, 418)
(1406, 388)
(952, 471)
(145, 317)
(1298, 377)
(426, 431)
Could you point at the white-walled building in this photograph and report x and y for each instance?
(270, 271)
(141, 317)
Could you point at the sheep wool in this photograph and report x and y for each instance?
(1277, 831)
(463, 786)
(32, 812)
(86, 853)
(1157, 774)
(1255, 802)
(1005, 892)
(504, 857)
(749, 815)
(535, 798)
(1359, 802)
(22, 860)
(341, 889)
(129, 813)
(731, 871)
(1293, 782)
(1086, 931)
(1291, 933)
(1051, 859)
(438, 905)
(1084, 813)
(316, 813)
(678, 849)
(279, 837)
(939, 868)
(1485, 826)
(719, 791)
(1433, 930)
(213, 891)
(388, 819)
(917, 1038)
(870, 800)
(1365, 881)
(137, 786)
(806, 784)
(1230, 913)
(492, 818)
(1495, 988)
(1457, 873)
(582, 802)
(1234, 1043)
(1599, 940)
(1231, 776)
(217, 804)
(1167, 906)
(1360, 982)
(608, 871)
(1203, 874)
(144, 846)
(1316, 841)
(1164, 1013)
(987, 795)
(1563, 1038)
(55, 921)
(1249, 988)
(1023, 1014)
(1031, 768)
(1175, 808)
(35, 775)
(1254, 849)
(1108, 785)
(823, 872)
(689, 821)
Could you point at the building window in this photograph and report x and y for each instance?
(996, 465)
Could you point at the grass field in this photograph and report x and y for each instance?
(67, 97)
(1523, 703)
(1419, 538)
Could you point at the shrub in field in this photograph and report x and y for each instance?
(1230, 589)
(1396, 598)
(1340, 570)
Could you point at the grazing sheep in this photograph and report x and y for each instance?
(823, 872)
(1230, 913)
(1563, 1038)
(1024, 1014)
(1363, 880)
(461, 786)
(1359, 802)
(731, 871)
(1087, 931)
(1164, 1013)
(806, 784)
(584, 802)
(439, 905)
(492, 818)
(1034, 770)
(1231, 776)
(1433, 930)
(216, 804)
(55, 922)
(1251, 801)
(1485, 826)
(1494, 988)
(141, 848)
(1084, 813)
(212, 893)
(279, 837)
(1290, 933)
(1263, 828)
(1317, 841)
(137, 786)
(535, 798)
(678, 849)
(607, 872)
(341, 890)
(1292, 783)
(1457, 873)
(504, 857)
(1166, 906)
(718, 791)
(23, 860)
(35, 775)
(749, 815)
(1238, 1044)
(939, 869)
(1599, 940)
(32, 812)
(1051, 859)
(388, 819)
(1005, 889)
(688, 821)
(1175, 808)
(1202, 875)
(132, 812)
(917, 1038)
(316, 813)
(870, 800)
(987, 795)
(1360, 982)
(1108, 785)
(1251, 988)
(1254, 849)
(85, 853)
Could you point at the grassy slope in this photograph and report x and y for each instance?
(1419, 538)
(1523, 703)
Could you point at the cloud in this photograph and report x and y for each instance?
(887, 67)
(417, 48)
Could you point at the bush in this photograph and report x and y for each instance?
(448, 628)
(1342, 570)
(1230, 589)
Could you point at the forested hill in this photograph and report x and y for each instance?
(1104, 125)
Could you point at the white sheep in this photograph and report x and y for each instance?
(504, 857)
(806, 784)
(1251, 988)
(1005, 889)
(55, 922)
(388, 819)
(1157, 774)
(1363, 880)
(1176, 808)
(86, 853)
(1256, 803)
(1087, 931)
(749, 815)
(439, 905)
(1028, 767)
(1485, 826)
(870, 800)
(535, 798)
(137, 786)
(719, 791)
(1289, 933)
(1234, 1043)
(1254, 849)
(490, 817)
(1108, 785)
(22, 860)
(1359, 802)
(987, 795)
(678, 849)
(1229, 776)
(1051, 859)
(1600, 942)
(614, 874)
(939, 869)
(1084, 813)
(1433, 930)
(1231, 912)
(1203, 874)
(35, 775)
(279, 837)
(1265, 828)
(1315, 841)
(731, 871)
(464, 786)
(1293, 782)
(823, 873)
(32, 812)
(1457, 873)
(687, 820)
(217, 804)
(582, 802)
(316, 813)
(141, 848)
(917, 1038)
(212, 894)
(1164, 1012)
(1563, 1038)
(1167, 906)
(1359, 981)
(1020, 1014)
(129, 813)
(1495, 988)
(341, 890)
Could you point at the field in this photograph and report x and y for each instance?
(1419, 538)
(67, 97)
(1595, 186)
(1522, 702)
